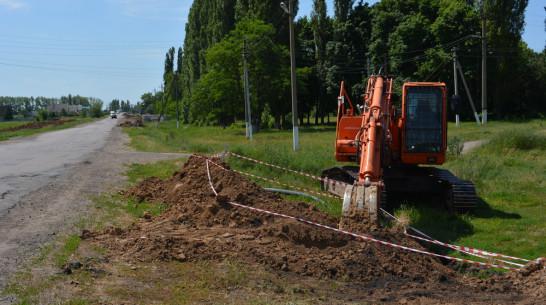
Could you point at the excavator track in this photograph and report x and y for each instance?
(460, 195)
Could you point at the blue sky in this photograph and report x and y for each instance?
(112, 48)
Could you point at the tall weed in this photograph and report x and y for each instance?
(518, 139)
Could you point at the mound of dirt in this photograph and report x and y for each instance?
(202, 226)
(130, 120)
(531, 281)
(37, 125)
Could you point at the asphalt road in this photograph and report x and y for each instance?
(48, 181)
(28, 163)
(35, 175)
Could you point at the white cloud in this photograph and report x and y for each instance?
(11, 5)
(154, 9)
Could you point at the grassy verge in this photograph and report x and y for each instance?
(28, 132)
(55, 276)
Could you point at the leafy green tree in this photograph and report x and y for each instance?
(305, 59)
(114, 105)
(505, 21)
(169, 65)
(208, 22)
(148, 102)
(8, 114)
(321, 25)
(219, 95)
(95, 110)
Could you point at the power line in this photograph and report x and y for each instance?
(87, 41)
(80, 66)
(79, 70)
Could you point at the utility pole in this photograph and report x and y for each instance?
(484, 67)
(468, 92)
(295, 132)
(248, 117)
(455, 80)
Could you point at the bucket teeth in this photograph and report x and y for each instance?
(360, 199)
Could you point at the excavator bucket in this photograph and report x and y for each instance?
(361, 200)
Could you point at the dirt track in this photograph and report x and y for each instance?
(37, 217)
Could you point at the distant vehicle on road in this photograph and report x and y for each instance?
(113, 115)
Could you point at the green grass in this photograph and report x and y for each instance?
(161, 169)
(509, 173)
(11, 124)
(27, 132)
(470, 131)
(68, 248)
(510, 177)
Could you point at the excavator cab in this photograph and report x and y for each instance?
(424, 123)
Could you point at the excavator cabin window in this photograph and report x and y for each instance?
(424, 119)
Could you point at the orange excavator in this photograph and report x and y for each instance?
(389, 142)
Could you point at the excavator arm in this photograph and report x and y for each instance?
(364, 137)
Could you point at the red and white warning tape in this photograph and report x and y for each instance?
(369, 238)
(287, 169)
(277, 182)
(466, 250)
(354, 234)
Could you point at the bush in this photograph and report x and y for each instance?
(42, 115)
(454, 147)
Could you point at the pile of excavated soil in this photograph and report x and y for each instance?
(130, 120)
(201, 226)
(37, 125)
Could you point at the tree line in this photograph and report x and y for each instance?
(409, 39)
(25, 105)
